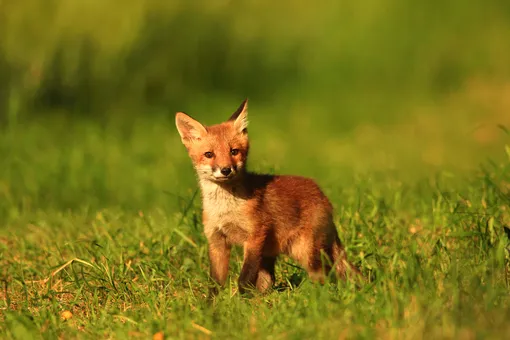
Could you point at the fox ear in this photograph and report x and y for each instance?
(240, 117)
(188, 128)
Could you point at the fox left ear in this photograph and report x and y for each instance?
(240, 117)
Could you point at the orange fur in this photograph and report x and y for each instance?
(267, 215)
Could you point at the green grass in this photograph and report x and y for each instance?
(397, 109)
(103, 220)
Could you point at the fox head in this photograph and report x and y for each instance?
(218, 152)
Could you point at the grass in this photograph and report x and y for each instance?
(101, 236)
(398, 111)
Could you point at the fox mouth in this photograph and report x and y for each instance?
(223, 178)
(216, 175)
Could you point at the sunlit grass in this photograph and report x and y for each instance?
(399, 110)
(101, 236)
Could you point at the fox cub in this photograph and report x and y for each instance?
(267, 215)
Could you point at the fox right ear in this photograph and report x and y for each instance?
(189, 128)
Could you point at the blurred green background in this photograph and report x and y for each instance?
(337, 89)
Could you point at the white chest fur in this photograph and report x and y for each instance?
(226, 212)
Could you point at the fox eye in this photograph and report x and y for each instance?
(209, 154)
(234, 152)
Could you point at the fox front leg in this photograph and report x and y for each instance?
(219, 255)
(251, 265)
(266, 276)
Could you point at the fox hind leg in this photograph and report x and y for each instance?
(320, 264)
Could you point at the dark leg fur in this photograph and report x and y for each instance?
(251, 268)
(266, 275)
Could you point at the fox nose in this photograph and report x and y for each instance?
(225, 171)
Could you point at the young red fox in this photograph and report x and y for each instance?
(268, 215)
